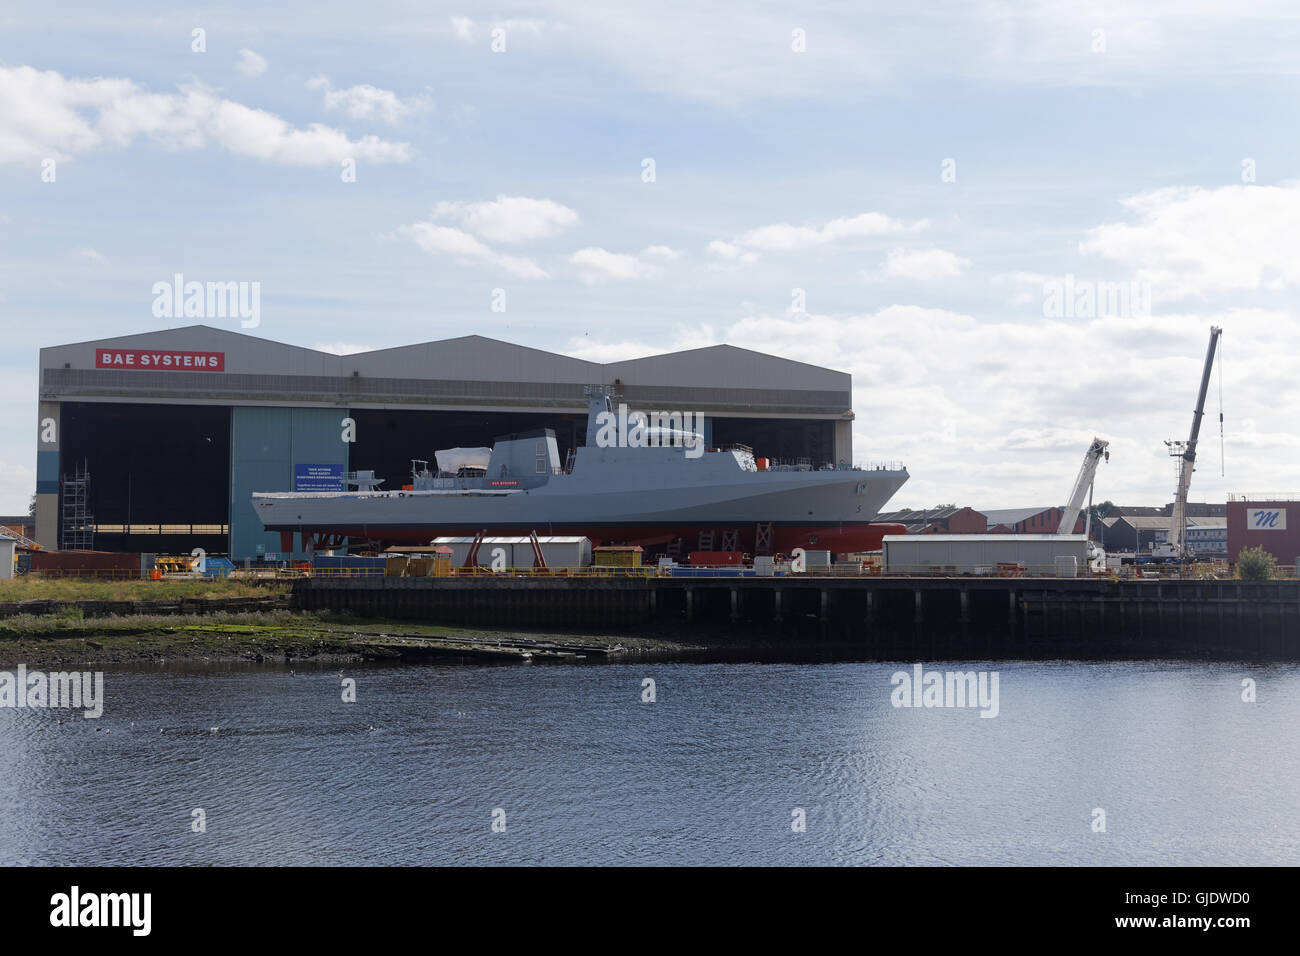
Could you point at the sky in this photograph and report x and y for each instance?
(1012, 223)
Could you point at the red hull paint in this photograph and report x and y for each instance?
(838, 539)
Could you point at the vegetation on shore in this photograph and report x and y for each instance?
(72, 622)
(80, 634)
(1256, 564)
(287, 636)
(36, 588)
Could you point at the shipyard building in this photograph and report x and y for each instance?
(1270, 521)
(154, 442)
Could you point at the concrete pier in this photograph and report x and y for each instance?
(908, 617)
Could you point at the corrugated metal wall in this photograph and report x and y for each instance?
(265, 444)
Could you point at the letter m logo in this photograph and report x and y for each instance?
(1266, 519)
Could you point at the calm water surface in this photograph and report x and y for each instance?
(710, 773)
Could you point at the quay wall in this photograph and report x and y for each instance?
(886, 617)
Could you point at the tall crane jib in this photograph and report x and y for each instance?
(1186, 453)
(1083, 485)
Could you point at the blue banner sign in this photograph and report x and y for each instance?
(317, 477)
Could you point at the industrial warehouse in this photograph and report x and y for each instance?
(203, 438)
(155, 442)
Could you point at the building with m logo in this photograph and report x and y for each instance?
(1269, 521)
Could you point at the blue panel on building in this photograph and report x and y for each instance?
(47, 472)
(266, 446)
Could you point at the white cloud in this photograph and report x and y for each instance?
(598, 265)
(924, 264)
(250, 64)
(18, 391)
(17, 484)
(784, 237)
(94, 255)
(596, 351)
(510, 218)
(733, 53)
(666, 253)
(366, 102)
(44, 114)
(463, 28)
(464, 248)
(466, 29)
(1194, 241)
(342, 348)
(682, 337)
(729, 252)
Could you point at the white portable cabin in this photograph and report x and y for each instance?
(1038, 554)
(560, 551)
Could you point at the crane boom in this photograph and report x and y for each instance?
(1186, 452)
(1082, 484)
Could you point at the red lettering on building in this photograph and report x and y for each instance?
(148, 359)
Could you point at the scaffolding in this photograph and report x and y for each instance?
(78, 532)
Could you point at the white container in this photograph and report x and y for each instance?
(1067, 566)
(560, 551)
(7, 549)
(975, 553)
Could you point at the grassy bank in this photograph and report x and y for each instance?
(32, 588)
(285, 636)
(67, 636)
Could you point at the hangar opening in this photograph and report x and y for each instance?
(159, 474)
(388, 439)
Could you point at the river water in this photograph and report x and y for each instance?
(714, 771)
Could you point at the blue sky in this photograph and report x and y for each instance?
(1148, 143)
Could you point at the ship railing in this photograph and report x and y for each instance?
(804, 464)
(880, 466)
(789, 464)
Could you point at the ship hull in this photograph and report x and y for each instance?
(828, 510)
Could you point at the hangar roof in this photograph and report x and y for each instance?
(468, 371)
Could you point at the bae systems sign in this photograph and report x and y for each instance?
(1265, 519)
(151, 359)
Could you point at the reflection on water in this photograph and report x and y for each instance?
(709, 773)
